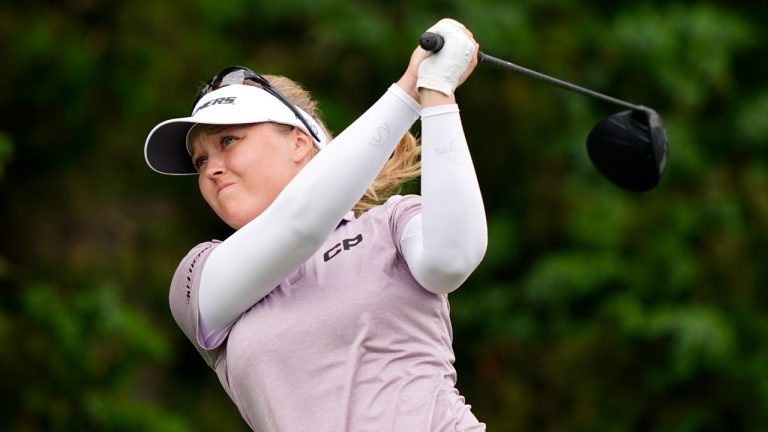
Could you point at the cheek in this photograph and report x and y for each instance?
(207, 190)
(209, 195)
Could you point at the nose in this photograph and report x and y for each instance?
(214, 166)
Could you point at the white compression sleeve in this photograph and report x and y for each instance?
(251, 262)
(447, 241)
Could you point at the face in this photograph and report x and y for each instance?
(243, 168)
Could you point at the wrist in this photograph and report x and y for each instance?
(429, 97)
(408, 85)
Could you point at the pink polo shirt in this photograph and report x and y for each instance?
(348, 342)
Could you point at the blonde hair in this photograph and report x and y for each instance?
(404, 165)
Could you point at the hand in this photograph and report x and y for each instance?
(408, 81)
(445, 70)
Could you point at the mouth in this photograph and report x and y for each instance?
(224, 186)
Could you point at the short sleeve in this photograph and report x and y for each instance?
(401, 209)
(183, 299)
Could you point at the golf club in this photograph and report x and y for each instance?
(628, 148)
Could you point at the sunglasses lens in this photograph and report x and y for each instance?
(237, 76)
(230, 75)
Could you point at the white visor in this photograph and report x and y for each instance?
(166, 147)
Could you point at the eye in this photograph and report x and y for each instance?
(227, 140)
(199, 162)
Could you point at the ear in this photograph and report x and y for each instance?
(302, 145)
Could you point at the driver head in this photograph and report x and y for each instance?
(630, 149)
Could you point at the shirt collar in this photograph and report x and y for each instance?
(349, 217)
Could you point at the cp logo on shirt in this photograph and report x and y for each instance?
(346, 244)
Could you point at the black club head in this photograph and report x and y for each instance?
(630, 149)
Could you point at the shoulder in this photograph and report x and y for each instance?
(399, 206)
(394, 208)
(193, 260)
(198, 252)
(399, 200)
(394, 213)
(186, 279)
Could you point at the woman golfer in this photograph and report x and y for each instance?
(316, 317)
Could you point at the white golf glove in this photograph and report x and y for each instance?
(442, 70)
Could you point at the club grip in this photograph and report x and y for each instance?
(431, 41)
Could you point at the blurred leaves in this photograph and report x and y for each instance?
(751, 124)
(681, 37)
(6, 151)
(78, 352)
(93, 316)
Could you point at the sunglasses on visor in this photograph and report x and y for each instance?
(239, 75)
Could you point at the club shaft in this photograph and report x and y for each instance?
(485, 58)
(434, 42)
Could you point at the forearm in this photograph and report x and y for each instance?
(453, 235)
(251, 262)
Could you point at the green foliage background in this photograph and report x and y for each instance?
(595, 309)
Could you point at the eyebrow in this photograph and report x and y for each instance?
(218, 130)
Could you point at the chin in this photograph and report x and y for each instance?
(237, 214)
(239, 220)
(233, 219)
(236, 223)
